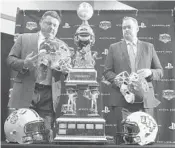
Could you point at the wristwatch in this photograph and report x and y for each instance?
(24, 70)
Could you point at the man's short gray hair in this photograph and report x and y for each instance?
(130, 18)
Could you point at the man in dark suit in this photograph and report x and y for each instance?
(30, 89)
(132, 55)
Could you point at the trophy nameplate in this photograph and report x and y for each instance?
(76, 130)
(82, 76)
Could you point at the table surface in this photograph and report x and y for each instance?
(156, 145)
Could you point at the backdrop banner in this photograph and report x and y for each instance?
(156, 27)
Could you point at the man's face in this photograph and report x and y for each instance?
(49, 26)
(130, 29)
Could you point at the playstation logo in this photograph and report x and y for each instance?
(66, 25)
(142, 25)
(105, 52)
(172, 127)
(106, 110)
(169, 66)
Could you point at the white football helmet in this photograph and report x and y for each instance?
(25, 126)
(139, 128)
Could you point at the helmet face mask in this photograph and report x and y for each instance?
(139, 128)
(130, 132)
(83, 41)
(84, 36)
(25, 126)
(35, 132)
(36, 127)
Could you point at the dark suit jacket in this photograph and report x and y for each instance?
(23, 87)
(118, 61)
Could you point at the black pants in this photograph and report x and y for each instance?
(42, 103)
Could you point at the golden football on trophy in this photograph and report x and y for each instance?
(85, 11)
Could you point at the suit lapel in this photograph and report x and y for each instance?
(139, 53)
(125, 53)
(34, 41)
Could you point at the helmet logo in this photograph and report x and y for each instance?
(14, 119)
(148, 122)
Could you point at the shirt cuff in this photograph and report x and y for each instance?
(149, 78)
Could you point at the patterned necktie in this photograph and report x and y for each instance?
(132, 57)
(44, 73)
(43, 43)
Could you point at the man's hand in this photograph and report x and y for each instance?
(144, 73)
(129, 97)
(137, 90)
(124, 89)
(30, 60)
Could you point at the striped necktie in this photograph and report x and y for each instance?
(132, 56)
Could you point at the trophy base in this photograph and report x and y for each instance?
(94, 115)
(80, 139)
(70, 114)
(80, 130)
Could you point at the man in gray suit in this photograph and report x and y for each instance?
(30, 89)
(132, 55)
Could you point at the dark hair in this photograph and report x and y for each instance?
(52, 14)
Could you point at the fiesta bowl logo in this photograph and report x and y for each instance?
(168, 94)
(105, 25)
(31, 25)
(165, 38)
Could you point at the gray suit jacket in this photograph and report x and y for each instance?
(23, 87)
(118, 61)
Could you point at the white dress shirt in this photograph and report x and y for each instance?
(41, 39)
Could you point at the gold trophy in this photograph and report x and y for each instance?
(81, 122)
